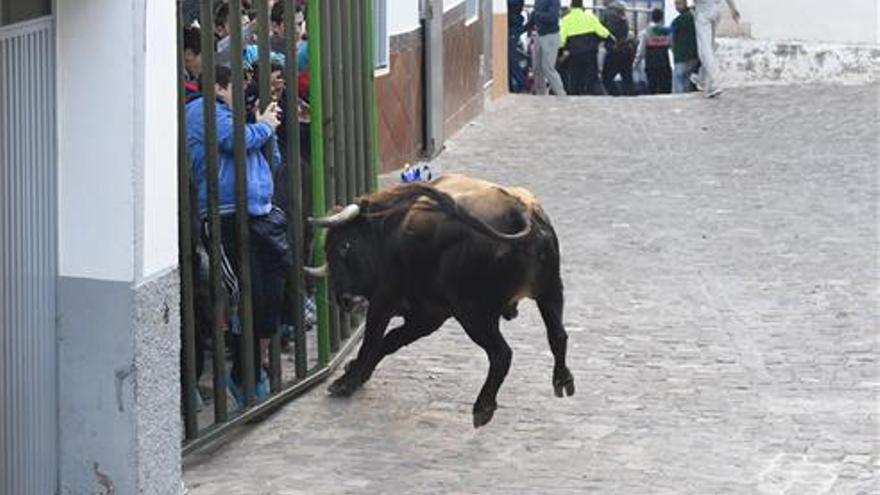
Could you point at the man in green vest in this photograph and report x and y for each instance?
(579, 35)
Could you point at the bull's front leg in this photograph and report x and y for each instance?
(357, 371)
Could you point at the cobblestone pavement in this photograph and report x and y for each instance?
(720, 260)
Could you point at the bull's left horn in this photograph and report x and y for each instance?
(347, 214)
(316, 271)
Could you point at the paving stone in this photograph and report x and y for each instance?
(720, 263)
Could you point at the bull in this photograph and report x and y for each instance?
(457, 247)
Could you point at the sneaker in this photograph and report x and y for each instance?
(261, 391)
(235, 391)
(715, 92)
(263, 386)
(200, 403)
(696, 81)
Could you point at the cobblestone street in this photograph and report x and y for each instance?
(720, 261)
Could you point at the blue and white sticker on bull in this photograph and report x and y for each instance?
(420, 172)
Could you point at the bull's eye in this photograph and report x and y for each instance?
(346, 247)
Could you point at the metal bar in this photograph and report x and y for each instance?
(242, 216)
(331, 136)
(350, 77)
(339, 144)
(318, 101)
(265, 81)
(209, 97)
(184, 231)
(219, 431)
(370, 104)
(294, 186)
(340, 110)
(357, 29)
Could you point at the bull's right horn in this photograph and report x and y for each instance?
(347, 214)
(316, 271)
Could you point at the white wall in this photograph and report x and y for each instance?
(95, 139)
(403, 16)
(159, 213)
(499, 6)
(842, 21)
(450, 4)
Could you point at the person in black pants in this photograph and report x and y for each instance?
(654, 44)
(580, 34)
(620, 52)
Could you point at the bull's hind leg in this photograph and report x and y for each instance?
(550, 305)
(483, 329)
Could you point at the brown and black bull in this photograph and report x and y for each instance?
(457, 247)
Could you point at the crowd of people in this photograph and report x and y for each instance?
(271, 255)
(572, 51)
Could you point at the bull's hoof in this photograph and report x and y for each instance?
(563, 381)
(344, 386)
(483, 414)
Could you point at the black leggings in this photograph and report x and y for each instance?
(267, 294)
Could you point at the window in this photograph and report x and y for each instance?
(380, 23)
(473, 10)
(12, 11)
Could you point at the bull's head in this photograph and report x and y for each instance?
(350, 256)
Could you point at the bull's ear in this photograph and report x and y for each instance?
(342, 217)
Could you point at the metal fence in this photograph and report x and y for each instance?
(341, 165)
(28, 258)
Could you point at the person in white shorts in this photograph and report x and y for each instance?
(707, 15)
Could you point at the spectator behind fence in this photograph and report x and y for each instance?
(620, 50)
(684, 48)
(192, 61)
(708, 14)
(222, 32)
(270, 253)
(546, 18)
(580, 33)
(654, 44)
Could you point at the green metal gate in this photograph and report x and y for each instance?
(342, 138)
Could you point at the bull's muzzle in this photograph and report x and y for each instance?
(347, 214)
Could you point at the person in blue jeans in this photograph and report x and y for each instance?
(270, 254)
(546, 18)
(684, 48)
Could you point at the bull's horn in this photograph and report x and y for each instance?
(316, 271)
(347, 214)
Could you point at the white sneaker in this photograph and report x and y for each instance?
(695, 79)
(715, 92)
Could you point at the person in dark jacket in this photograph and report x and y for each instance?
(545, 18)
(621, 51)
(517, 61)
(684, 48)
(654, 44)
(580, 34)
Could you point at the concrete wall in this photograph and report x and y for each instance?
(118, 341)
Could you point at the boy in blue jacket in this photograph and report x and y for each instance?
(270, 254)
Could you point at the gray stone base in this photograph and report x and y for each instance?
(746, 61)
(119, 386)
(157, 363)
